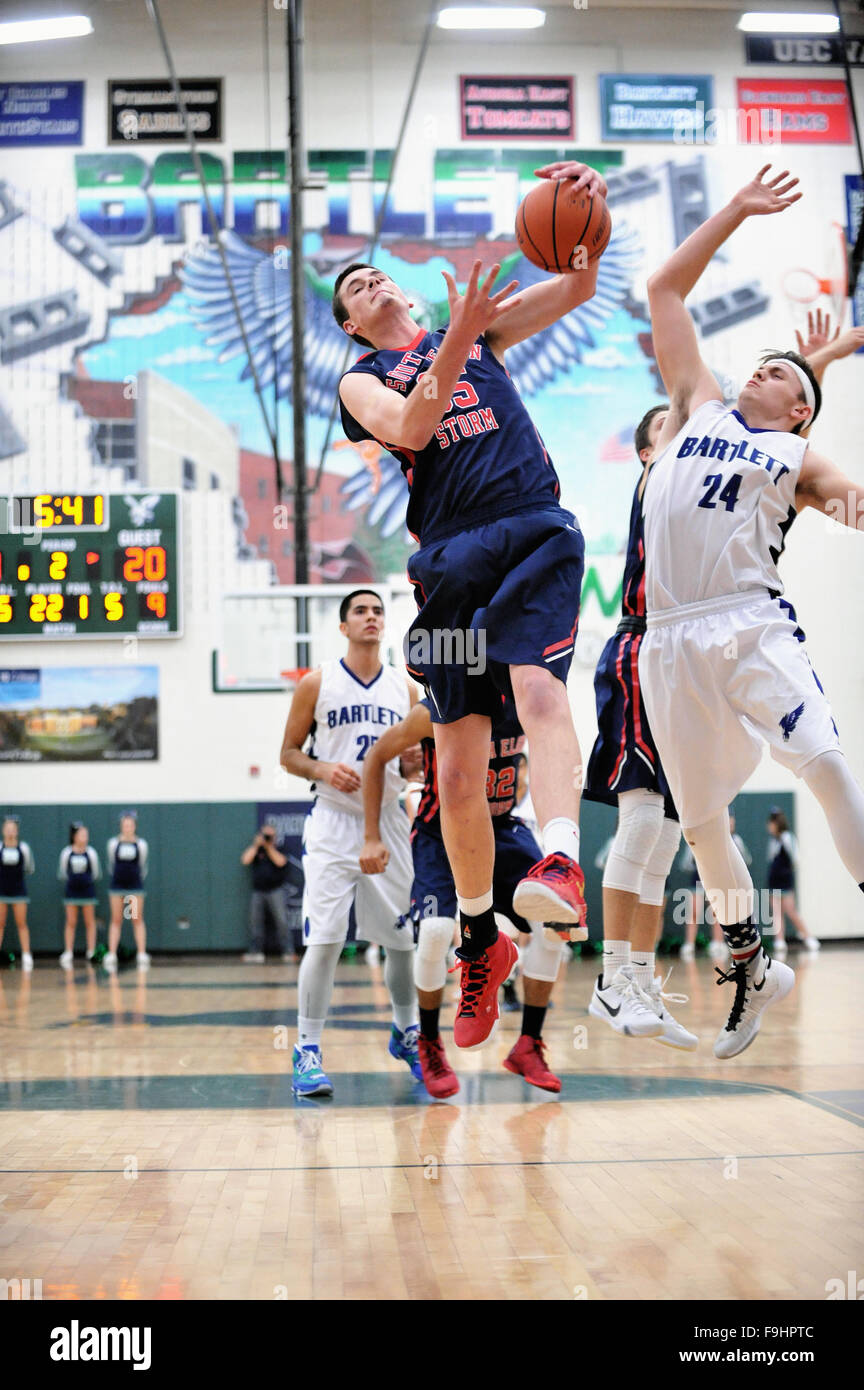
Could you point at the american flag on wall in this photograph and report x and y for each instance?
(618, 448)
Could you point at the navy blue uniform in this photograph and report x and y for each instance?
(781, 867)
(127, 863)
(15, 862)
(499, 559)
(624, 755)
(79, 868)
(516, 851)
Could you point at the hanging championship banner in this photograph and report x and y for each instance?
(146, 111)
(517, 108)
(793, 111)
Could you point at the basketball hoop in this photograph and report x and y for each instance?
(803, 286)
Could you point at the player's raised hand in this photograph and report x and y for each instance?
(477, 309)
(846, 343)
(374, 856)
(411, 762)
(585, 176)
(757, 198)
(818, 333)
(340, 777)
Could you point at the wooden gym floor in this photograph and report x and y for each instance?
(150, 1146)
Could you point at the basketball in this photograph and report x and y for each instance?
(554, 220)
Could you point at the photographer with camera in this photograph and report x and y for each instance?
(268, 866)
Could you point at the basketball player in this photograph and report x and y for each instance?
(127, 866)
(625, 770)
(500, 561)
(346, 706)
(433, 896)
(16, 861)
(723, 660)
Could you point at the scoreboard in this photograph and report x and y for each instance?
(89, 565)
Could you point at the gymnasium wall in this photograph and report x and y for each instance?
(197, 891)
(141, 333)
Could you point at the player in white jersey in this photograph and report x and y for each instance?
(346, 705)
(723, 663)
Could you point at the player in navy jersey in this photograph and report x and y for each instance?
(433, 895)
(624, 770)
(499, 560)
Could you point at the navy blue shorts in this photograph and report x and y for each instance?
(500, 595)
(434, 892)
(624, 755)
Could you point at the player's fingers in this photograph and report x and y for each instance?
(490, 279)
(473, 278)
(778, 178)
(800, 340)
(781, 192)
(505, 308)
(502, 294)
(762, 172)
(452, 291)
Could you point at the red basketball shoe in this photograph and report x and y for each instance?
(553, 891)
(481, 979)
(439, 1078)
(528, 1059)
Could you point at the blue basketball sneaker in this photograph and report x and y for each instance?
(310, 1079)
(403, 1046)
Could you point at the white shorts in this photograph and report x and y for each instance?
(333, 879)
(717, 678)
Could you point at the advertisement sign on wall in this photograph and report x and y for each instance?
(79, 714)
(517, 108)
(805, 112)
(807, 50)
(41, 113)
(640, 106)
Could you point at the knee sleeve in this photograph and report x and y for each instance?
(842, 800)
(640, 821)
(728, 885)
(659, 865)
(541, 958)
(430, 960)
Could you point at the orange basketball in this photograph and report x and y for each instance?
(553, 221)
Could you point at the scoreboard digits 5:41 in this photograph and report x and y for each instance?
(90, 565)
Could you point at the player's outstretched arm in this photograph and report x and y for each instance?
(822, 485)
(416, 725)
(685, 375)
(410, 422)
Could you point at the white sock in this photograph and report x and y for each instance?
(405, 1016)
(642, 964)
(561, 836)
(472, 907)
(615, 955)
(309, 1031)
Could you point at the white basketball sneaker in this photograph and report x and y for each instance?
(625, 1006)
(674, 1033)
(765, 982)
(66, 960)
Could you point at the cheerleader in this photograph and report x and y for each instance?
(16, 861)
(79, 870)
(127, 866)
(782, 861)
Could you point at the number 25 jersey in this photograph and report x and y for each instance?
(717, 505)
(349, 716)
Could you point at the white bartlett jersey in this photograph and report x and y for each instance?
(717, 505)
(349, 717)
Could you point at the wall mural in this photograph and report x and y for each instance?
(157, 301)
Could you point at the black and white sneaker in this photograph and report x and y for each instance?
(765, 982)
(625, 1006)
